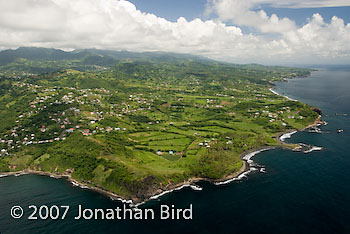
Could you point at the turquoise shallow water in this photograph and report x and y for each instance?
(299, 193)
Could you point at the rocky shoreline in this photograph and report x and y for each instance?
(247, 167)
(133, 202)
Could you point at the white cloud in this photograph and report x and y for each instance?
(306, 3)
(320, 40)
(239, 12)
(113, 24)
(315, 42)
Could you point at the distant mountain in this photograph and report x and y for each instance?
(32, 53)
(89, 56)
(152, 56)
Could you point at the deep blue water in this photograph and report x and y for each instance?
(299, 193)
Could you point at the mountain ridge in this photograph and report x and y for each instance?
(39, 53)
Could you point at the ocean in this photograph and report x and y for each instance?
(299, 193)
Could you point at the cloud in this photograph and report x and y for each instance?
(320, 40)
(99, 23)
(314, 42)
(239, 12)
(118, 25)
(306, 3)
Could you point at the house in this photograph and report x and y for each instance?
(3, 152)
(108, 129)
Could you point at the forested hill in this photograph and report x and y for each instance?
(42, 60)
(26, 61)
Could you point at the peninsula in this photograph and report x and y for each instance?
(133, 125)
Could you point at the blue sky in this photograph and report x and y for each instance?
(172, 9)
(300, 15)
(191, 9)
(240, 31)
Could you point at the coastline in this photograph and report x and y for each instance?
(274, 92)
(316, 123)
(69, 179)
(241, 173)
(247, 167)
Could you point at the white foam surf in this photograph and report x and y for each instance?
(290, 99)
(287, 135)
(194, 187)
(313, 148)
(248, 158)
(20, 174)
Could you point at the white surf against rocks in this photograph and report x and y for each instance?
(248, 158)
(194, 187)
(313, 148)
(287, 135)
